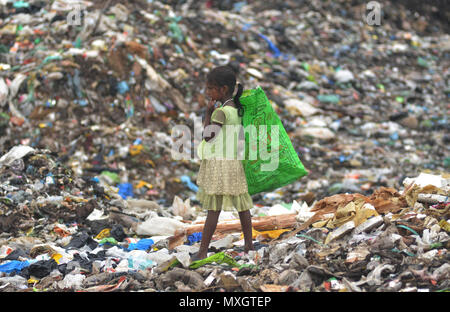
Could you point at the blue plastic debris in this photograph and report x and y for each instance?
(276, 52)
(13, 266)
(143, 244)
(187, 181)
(122, 87)
(194, 237)
(125, 190)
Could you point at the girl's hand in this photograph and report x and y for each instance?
(211, 105)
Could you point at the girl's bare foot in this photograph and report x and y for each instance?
(247, 249)
(198, 256)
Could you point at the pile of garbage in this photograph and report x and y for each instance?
(61, 232)
(91, 200)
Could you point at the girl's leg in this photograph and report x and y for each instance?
(246, 224)
(208, 231)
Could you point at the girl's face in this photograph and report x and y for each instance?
(216, 93)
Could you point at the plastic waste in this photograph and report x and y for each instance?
(123, 87)
(261, 175)
(97, 101)
(299, 107)
(107, 241)
(159, 226)
(16, 281)
(4, 90)
(186, 180)
(17, 152)
(273, 48)
(343, 76)
(182, 208)
(13, 266)
(126, 190)
(72, 281)
(219, 258)
(139, 264)
(143, 244)
(340, 231)
(194, 238)
(328, 98)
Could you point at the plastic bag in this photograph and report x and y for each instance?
(4, 90)
(218, 258)
(159, 226)
(143, 244)
(270, 159)
(13, 266)
(70, 281)
(15, 153)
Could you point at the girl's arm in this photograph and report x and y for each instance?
(208, 116)
(209, 110)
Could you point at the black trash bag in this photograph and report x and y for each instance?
(82, 239)
(39, 269)
(118, 233)
(85, 264)
(15, 254)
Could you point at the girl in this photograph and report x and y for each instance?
(222, 183)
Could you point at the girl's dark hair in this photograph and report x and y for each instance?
(225, 76)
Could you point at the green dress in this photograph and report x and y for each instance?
(221, 177)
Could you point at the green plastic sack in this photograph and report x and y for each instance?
(218, 258)
(264, 173)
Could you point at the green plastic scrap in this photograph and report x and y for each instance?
(311, 78)
(447, 162)
(114, 177)
(328, 98)
(422, 62)
(175, 31)
(218, 258)
(436, 245)
(309, 237)
(408, 228)
(6, 200)
(3, 48)
(21, 4)
(174, 263)
(399, 99)
(78, 43)
(408, 253)
(49, 59)
(287, 205)
(248, 265)
(4, 119)
(305, 66)
(108, 240)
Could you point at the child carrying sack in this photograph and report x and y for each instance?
(270, 160)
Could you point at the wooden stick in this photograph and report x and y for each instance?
(266, 223)
(259, 223)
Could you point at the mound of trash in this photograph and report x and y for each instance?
(61, 232)
(91, 199)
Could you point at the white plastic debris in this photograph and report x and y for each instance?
(343, 76)
(159, 226)
(17, 152)
(299, 107)
(3, 92)
(425, 179)
(340, 231)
